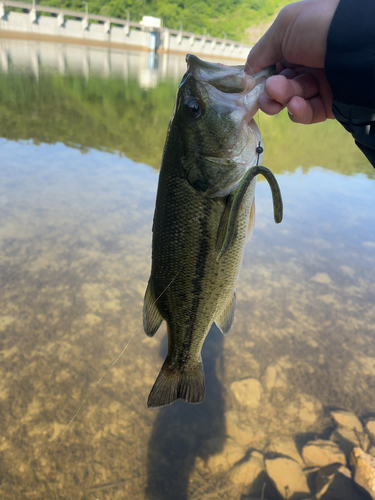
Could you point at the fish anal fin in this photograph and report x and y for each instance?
(172, 384)
(151, 316)
(226, 318)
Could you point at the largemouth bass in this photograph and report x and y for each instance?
(204, 214)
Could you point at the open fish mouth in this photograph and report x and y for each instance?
(231, 80)
(228, 79)
(229, 92)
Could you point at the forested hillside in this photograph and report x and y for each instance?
(232, 17)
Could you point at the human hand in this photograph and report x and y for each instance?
(297, 43)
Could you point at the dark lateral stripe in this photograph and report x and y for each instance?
(200, 260)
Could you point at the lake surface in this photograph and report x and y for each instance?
(81, 138)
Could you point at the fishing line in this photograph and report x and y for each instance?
(257, 115)
(81, 405)
(259, 150)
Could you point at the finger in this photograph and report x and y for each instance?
(288, 73)
(307, 111)
(270, 48)
(269, 106)
(266, 52)
(283, 90)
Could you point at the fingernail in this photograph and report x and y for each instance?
(291, 115)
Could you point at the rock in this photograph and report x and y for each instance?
(92, 319)
(348, 438)
(285, 447)
(322, 278)
(371, 450)
(252, 498)
(244, 435)
(231, 452)
(305, 408)
(274, 378)
(347, 419)
(247, 392)
(320, 452)
(363, 466)
(334, 482)
(288, 477)
(244, 474)
(370, 428)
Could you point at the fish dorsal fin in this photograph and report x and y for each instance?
(226, 318)
(151, 316)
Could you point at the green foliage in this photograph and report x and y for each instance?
(104, 114)
(288, 146)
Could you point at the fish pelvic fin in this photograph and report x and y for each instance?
(151, 316)
(225, 319)
(172, 384)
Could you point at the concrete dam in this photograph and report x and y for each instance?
(44, 23)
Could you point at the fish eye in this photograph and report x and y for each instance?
(193, 108)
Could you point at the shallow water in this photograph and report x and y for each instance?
(80, 148)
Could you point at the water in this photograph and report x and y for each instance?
(80, 146)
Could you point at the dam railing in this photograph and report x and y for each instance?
(54, 24)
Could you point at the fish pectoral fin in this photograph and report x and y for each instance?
(186, 383)
(239, 196)
(151, 316)
(222, 230)
(226, 318)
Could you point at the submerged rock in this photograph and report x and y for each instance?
(334, 482)
(246, 473)
(363, 470)
(247, 392)
(242, 434)
(347, 439)
(288, 477)
(287, 448)
(322, 452)
(370, 428)
(347, 419)
(231, 452)
(305, 408)
(274, 377)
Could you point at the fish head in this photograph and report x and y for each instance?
(214, 112)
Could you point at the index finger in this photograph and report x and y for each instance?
(269, 49)
(265, 53)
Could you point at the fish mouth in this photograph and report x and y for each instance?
(228, 79)
(242, 90)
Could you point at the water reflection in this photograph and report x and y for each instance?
(75, 238)
(147, 68)
(121, 102)
(180, 433)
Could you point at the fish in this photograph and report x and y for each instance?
(204, 214)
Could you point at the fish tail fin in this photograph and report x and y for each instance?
(172, 384)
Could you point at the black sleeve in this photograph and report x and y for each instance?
(350, 70)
